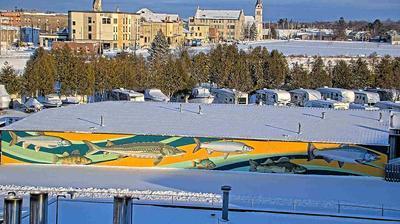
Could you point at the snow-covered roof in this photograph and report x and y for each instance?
(150, 16)
(249, 20)
(215, 120)
(217, 14)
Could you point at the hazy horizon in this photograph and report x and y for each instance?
(299, 10)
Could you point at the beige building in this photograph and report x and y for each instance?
(113, 30)
(151, 23)
(224, 25)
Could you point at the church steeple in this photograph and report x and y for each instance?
(258, 17)
(97, 6)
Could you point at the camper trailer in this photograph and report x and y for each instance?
(155, 95)
(366, 98)
(201, 95)
(271, 97)
(386, 94)
(229, 96)
(32, 105)
(355, 106)
(341, 95)
(4, 98)
(125, 95)
(388, 105)
(300, 96)
(50, 101)
(333, 104)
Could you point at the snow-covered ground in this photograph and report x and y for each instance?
(321, 48)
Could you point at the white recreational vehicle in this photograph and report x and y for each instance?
(388, 105)
(271, 97)
(4, 98)
(333, 104)
(386, 94)
(366, 98)
(300, 96)
(355, 106)
(338, 94)
(122, 94)
(201, 95)
(50, 101)
(155, 95)
(229, 96)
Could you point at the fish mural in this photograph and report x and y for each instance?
(283, 165)
(74, 158)
(142, 150)
(206, 164)
(195, 153)
(343, 154)
(226, 147)
(39, 141)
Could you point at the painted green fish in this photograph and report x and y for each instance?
(282, 165)
(204, 164)
(142, 150)
(74, 158)
(39, 141)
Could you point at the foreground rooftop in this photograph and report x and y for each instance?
(215, 120)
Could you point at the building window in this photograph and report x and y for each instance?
(115, 20)
(106, 21)
(90, 28)
(73, 31)
(89, 36)
(89, 19)
(73, 23)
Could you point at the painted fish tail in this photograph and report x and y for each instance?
(14, 138)
(92, 148)
(198, 145)
(310, 151)
(253, 165)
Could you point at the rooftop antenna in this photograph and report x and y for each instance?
(380, 117)
(299, 129)
(102, 121)
(180, 108)
(323, 115)
(200, 109)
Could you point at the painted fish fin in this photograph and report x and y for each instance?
(14, 138)
(25, 145)
(92, 148)
(198, 145)
(268, 162)
(55, 159)
(37, 148)
(158, 160)
(310, 151)
(76, 153)
(226, 155)
(341, 164)
(195, 163)
(109, 143)
(65, 154)
(328, 160)
(283, 160)
(253, 165)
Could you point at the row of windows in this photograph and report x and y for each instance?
(106, 21)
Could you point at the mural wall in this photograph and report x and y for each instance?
(190, 153)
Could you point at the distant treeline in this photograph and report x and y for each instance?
(224, 65)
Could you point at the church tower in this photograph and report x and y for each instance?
(259, 19)
(97, 6)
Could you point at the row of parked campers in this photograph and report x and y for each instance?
(336, 98)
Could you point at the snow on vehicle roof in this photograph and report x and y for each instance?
(329, 89)
(216, 120)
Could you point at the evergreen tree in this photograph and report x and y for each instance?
(342, 75)
(361, 74)
(10, 79)
(159, 49)
(201, 68)
(40, 74)
(299, 78)
(319, 77)
(385, 73)
(253, 32)
(276, 70)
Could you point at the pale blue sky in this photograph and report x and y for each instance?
(303, 10)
